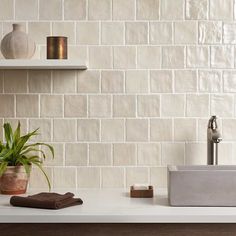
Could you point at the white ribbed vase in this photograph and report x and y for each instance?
(17, 44)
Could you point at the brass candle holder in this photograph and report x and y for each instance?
(56, 47)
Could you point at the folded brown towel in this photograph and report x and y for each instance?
(46, 201)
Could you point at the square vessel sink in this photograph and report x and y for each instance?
(202, 185)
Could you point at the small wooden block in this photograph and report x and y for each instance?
(141, 193)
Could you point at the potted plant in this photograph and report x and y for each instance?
(16, 159)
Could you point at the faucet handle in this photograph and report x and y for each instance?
(212, 124)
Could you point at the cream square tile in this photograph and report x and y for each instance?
(124, 57)
(137, 130)
(124, 154)
(149, 105)
(6, 9)
(26, 9)
(229, 81)
(197, 56)
(210, 81)
(7, 105)
(196, 10)
(196, 154)
(123, 9)
(124, 106)
(50, 10)
(185, 81)
(186, 32)
(136, 81)
(160, 33)
(221, 9)
(149, 154)
(136, 32)
(88, 177)
(147, 10)
(88, 81)
(100, 154)
(161, 81)
(87, 33)
(64, 177)
(44, 126)
(101, 11)
(158, 177)
(51, 106)
(39, 81)
(113, 177)
(161, 130)
(136, 175)
(75, 106)
(76, 154)
(27, 105)
(66, 29)
(172, 9)
(88, 130)
(99, 106)
(112, 33)
(222, 56)
(75, 9)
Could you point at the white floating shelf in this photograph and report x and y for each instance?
(41, 64)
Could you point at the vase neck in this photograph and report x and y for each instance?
(17, 27)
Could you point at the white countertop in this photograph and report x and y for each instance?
(115, 206)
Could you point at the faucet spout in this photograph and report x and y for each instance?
(213, 139)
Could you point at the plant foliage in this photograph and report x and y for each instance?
(16, 151)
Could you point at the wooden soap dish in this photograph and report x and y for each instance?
(147, 193)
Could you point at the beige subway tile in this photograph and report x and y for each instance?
(64, 130)
(173, 57)
(229, 81)
(50, 10)
(161, 81)
(75, 106)
(76, 154)
(124, 154)
(100, 154)
(221, 9)
(58, 159)
(196, 10)
(1, 129)
(124, 106)
(185, 129)
(112, 81)
(158, 177)
(15, 81)
(210, 81)
(222, 105)
(1, 79)
(88, 130)
(161, 129)
(197, 56)
(100, 57)
(112, 33)
(99, 106)
(27, 106)
(229, 129)
(210, 32)
(185, 81)
(149, 154)
(149, 105)
(37, 179)
(172, 9)
(75, 9)
(136, 32)
(7, 105)
(44, 126)
(137, 130)
(79, 53)
(6, 9)
(136, 175)
(222, 56)
(123, 9)
(147, 10)
(66, 29)
(226, 154)
(229, 33)
(160, 33)
(136, 81)
(26, 9)
(64, 177)
(172, 105)
(172, 154)
(64, 81)
(113, 177)
(149, 57)
(99, 11)
(88, 177)
(202, 124)
(39, 81)
(88, 81)
(124, 57)
(87, 33)
(196, 154)
(197, 105)
(112, 130)
(186, 32)
(51, 106)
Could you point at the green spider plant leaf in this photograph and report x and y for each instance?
(16, 135)
(8, 135)
(3, 166)
(41, 144)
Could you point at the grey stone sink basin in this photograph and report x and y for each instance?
(202, 185)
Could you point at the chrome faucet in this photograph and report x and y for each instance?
(213, 138)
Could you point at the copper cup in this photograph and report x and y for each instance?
(56, 47)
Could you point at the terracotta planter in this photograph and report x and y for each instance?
(14, 180)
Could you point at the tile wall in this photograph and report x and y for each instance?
(157, 70)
